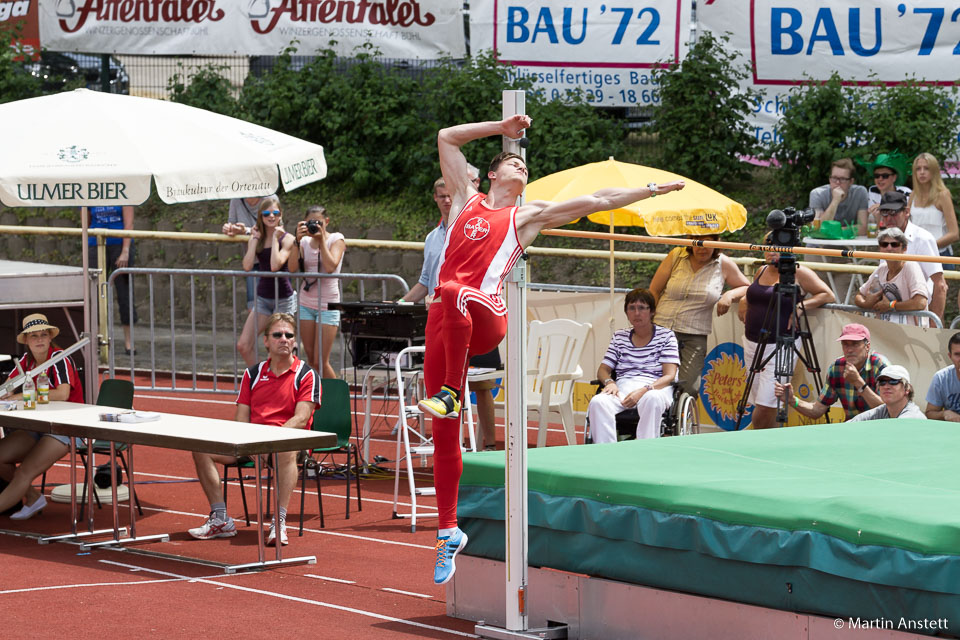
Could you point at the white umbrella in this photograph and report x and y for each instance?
(86, 148)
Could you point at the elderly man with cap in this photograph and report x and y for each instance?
(894, 387)
(895, 213)
(852, 378)
(36, 452)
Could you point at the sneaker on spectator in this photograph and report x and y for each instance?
(214, 527)
(272, 535)
(447, 549)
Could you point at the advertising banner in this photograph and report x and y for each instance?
(424, 29)
(22, 15)
(789, 41)
(606, 50)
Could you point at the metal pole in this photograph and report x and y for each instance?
(515, 472)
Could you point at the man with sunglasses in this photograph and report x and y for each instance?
(890, 171)
(894, 212)
(895, 389)
(943, 396)
(282, 391)
(851, 379)
(841, 199)
(895, 285)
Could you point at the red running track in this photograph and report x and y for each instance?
(373, 577)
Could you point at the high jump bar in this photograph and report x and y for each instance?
(743, 246)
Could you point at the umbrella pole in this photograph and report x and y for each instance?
(90, 356)
(612, 274)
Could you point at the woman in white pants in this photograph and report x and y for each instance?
(646, 358)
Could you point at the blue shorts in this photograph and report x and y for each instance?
(329, 317)
(269, 306)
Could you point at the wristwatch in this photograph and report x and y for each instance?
(653, 189)
(860, 390)
(607, 381)
(648, 387)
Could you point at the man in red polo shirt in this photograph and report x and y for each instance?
(282, 391)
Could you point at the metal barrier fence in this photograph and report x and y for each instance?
(203, 329)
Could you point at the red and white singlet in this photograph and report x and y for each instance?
(481, 236)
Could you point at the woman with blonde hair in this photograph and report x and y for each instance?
(270, 247)
(931, 205)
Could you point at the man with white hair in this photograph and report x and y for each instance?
(895, 390)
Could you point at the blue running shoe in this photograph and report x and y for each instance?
(447, 549)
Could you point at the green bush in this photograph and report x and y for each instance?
(913, 117)
(702, 117)
(16, 83)
(205, 88)
(818, 126)
(378, 123)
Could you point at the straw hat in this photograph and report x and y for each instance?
(36, 322)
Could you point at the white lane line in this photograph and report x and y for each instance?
(273, 594)
(182, 399)
(329, 579)
(101, 584)
(406, 593)
(253, 522)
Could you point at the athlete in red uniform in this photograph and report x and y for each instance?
(468, 315)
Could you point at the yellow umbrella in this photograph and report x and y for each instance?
(697, 210)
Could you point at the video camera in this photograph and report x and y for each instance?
(785, 225)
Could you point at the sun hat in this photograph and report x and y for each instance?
(36, 322)
(854, 331)
(895, 372)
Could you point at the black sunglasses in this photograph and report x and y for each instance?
(890, 244)
(883, 176)
(283, 334)
(882, 382)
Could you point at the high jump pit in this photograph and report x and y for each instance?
(805, 532)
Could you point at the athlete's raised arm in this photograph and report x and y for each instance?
(535, 216)
(453, 164)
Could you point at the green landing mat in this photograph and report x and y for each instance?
(857, 519)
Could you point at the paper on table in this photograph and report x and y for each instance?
(130, 416)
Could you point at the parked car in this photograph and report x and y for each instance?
(61, 70)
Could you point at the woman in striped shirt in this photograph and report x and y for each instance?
(645, 358)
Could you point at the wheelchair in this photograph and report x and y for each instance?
(681, 419)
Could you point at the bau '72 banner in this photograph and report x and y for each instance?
(424, 29)
(605, 49)
(787, 42)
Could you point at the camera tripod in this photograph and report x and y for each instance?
(784, 343)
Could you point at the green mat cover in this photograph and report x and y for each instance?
(846, 520)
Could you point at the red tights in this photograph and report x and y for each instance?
(463, 323)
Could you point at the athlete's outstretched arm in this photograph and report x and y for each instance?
(453, 164)
(533, 217)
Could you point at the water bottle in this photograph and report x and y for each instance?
(29, 394)
(43, 389)
(871, 225)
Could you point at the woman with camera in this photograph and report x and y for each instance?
(321, 251)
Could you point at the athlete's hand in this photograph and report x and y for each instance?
(513, 126)
(667, 187)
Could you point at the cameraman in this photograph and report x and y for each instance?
(321, 251)
(762, 328)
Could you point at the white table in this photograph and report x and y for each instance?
(862, 243)
(171, 431)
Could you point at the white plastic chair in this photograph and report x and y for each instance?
(553, 357)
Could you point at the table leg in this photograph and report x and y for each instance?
(117, 540)
(263, 563)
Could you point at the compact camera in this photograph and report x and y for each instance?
(313, 227)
